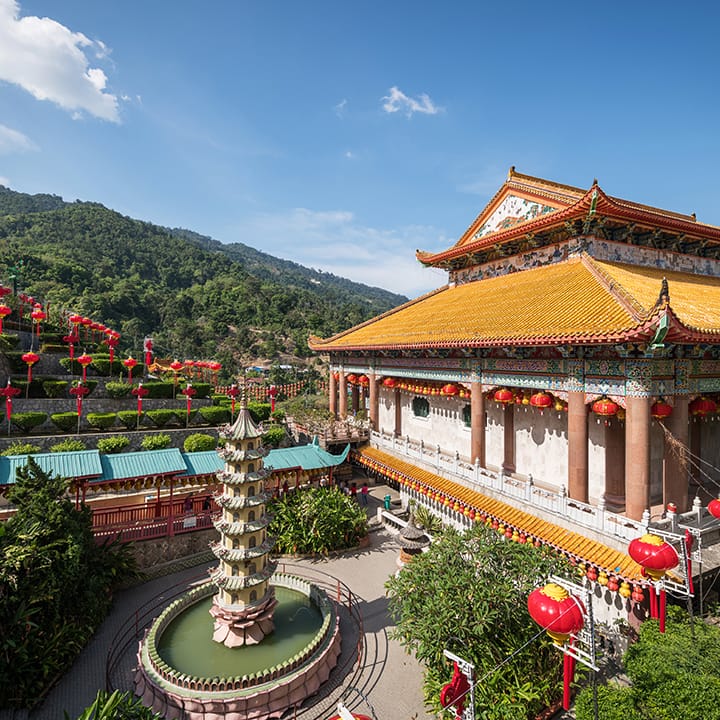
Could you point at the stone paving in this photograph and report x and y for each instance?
(388, 686)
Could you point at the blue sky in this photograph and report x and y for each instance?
(346, 135)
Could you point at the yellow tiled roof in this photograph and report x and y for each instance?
(560, 301)
(584, 549)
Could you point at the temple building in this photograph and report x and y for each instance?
(569, 367)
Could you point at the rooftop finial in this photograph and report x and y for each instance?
(664, 297)
(511, 172)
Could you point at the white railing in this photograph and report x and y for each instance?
(522, 493)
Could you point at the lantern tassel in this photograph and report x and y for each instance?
(653, 603)
(566, 681)
(662, 609)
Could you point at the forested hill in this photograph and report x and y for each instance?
(195, 296)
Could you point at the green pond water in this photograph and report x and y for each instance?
(187, 643)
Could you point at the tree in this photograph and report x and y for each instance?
(468, 594)
(55, 584)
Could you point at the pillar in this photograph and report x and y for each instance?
(397, 402)
(355, 398)
(342, 411)
(615, 466)
(637, 456)
(675, 471)
(332, 394)
(509, 438)
(374, 412)
(577, 446)
(477, 424)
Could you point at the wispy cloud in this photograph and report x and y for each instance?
(12, 141)
(51, 62)
(333, 241)
(4, 181)
(340, 108)
(398, 101)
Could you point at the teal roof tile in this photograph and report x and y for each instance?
(76, 464)
(125, 466)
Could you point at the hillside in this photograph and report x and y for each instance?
(195, 296)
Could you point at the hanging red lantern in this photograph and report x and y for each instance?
(363, 380)
(541, 400)
(130, 363)
(351, 378)
(702, 406)
(613, 584)
(556, 611)
(450, 389)
(503, 395)
(605, 407)
(9, 392)
(592, 573)
(660, 409)
(637, 594)
(389, 382)
(84, 360)
(654, 555)
(714, 508)
(30, 358)
(5, 310)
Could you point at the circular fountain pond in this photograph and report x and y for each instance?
(182, 672)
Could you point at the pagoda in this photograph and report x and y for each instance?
(245, 601)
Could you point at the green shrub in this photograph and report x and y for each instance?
(277, 416)
(14, 357)
(101, 421)
(159, 390)
(116, 706)
(199, 442)
(202, 389)
(129, 418)
(215, 415)
(34, 391)
(65, 421)
(161, 418)
(28, 421)
(114, 444)
(220, 400)
(55, 388)
(21, 448)
(52, 348)
(69, 445)
(101, 365)
(274, 436)
(8, 342)
(155, 442)
(118, 390)
(614, 703)
(259, 411)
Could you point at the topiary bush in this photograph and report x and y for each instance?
(215, 415)
(274, 436)
(202, 389)
(278, 416)
(66, 421)
(129, 418)
(161, 418)
(20, 448)
(159, 390)
(114, 444)
(199, 442)
(55, 388)
(259, 411)
(118, 390)
(155, 442)
(28, 421)
(220, 400)
(101, 365)
(69, 445)
(101, 421)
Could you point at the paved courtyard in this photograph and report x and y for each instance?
(389, 683)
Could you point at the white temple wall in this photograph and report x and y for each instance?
(441, 427)
(494, 436)
(386, 411)
(710, 453)
(541, 448)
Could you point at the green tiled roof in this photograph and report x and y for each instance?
(202, 463)
(124, 466)
(307, 457)
(77, 464)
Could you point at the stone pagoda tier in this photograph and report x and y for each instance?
(245, 601)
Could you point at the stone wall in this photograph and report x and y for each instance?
(153, 553)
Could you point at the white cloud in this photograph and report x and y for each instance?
(14, 141)
(51, 63)
(333, 241)
(349, 155)
(4, 181)
(340, 108)
(398, 101)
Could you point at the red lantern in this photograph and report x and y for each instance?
(30, 358)
(714, 508)
(84, 360)
(449, 389)
(654, 554)
(660, 409)
(4, 291)
(79, 392)
(233, 392)
(37, 317)
(364, 380)
(541, 400)
(389, 382)
(139, 392)
(503, 395)
(129, 363)
(592, 573)
(9, 392)
(605, 407)
(5, 310)
(702, 406)
(351, 378)
(556, 611)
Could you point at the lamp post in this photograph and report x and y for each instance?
(29, 358)
(148, 348)
(272, 394)
(38, 315)
(79, 392)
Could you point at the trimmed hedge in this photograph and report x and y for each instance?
(101, 421)
(199, 442)
(161, 418)
(114, 444)
(28, 421)
(20, 448)
(129, 418)
(215, 415)
(202, 389)
(274, 436)
(159, 390)
(55, 388)
(69, 445)
(155, 442)
(118, 390)
(65, 421)
(259, 411)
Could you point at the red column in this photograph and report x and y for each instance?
(675, 476)
(342, 411)
(332, 394)
(509, 438)
(374, 403)
(637, 456)
(577, 447)
(477, 424)
(615, 466)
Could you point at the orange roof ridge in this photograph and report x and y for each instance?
(625, 298)
(573, 543)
